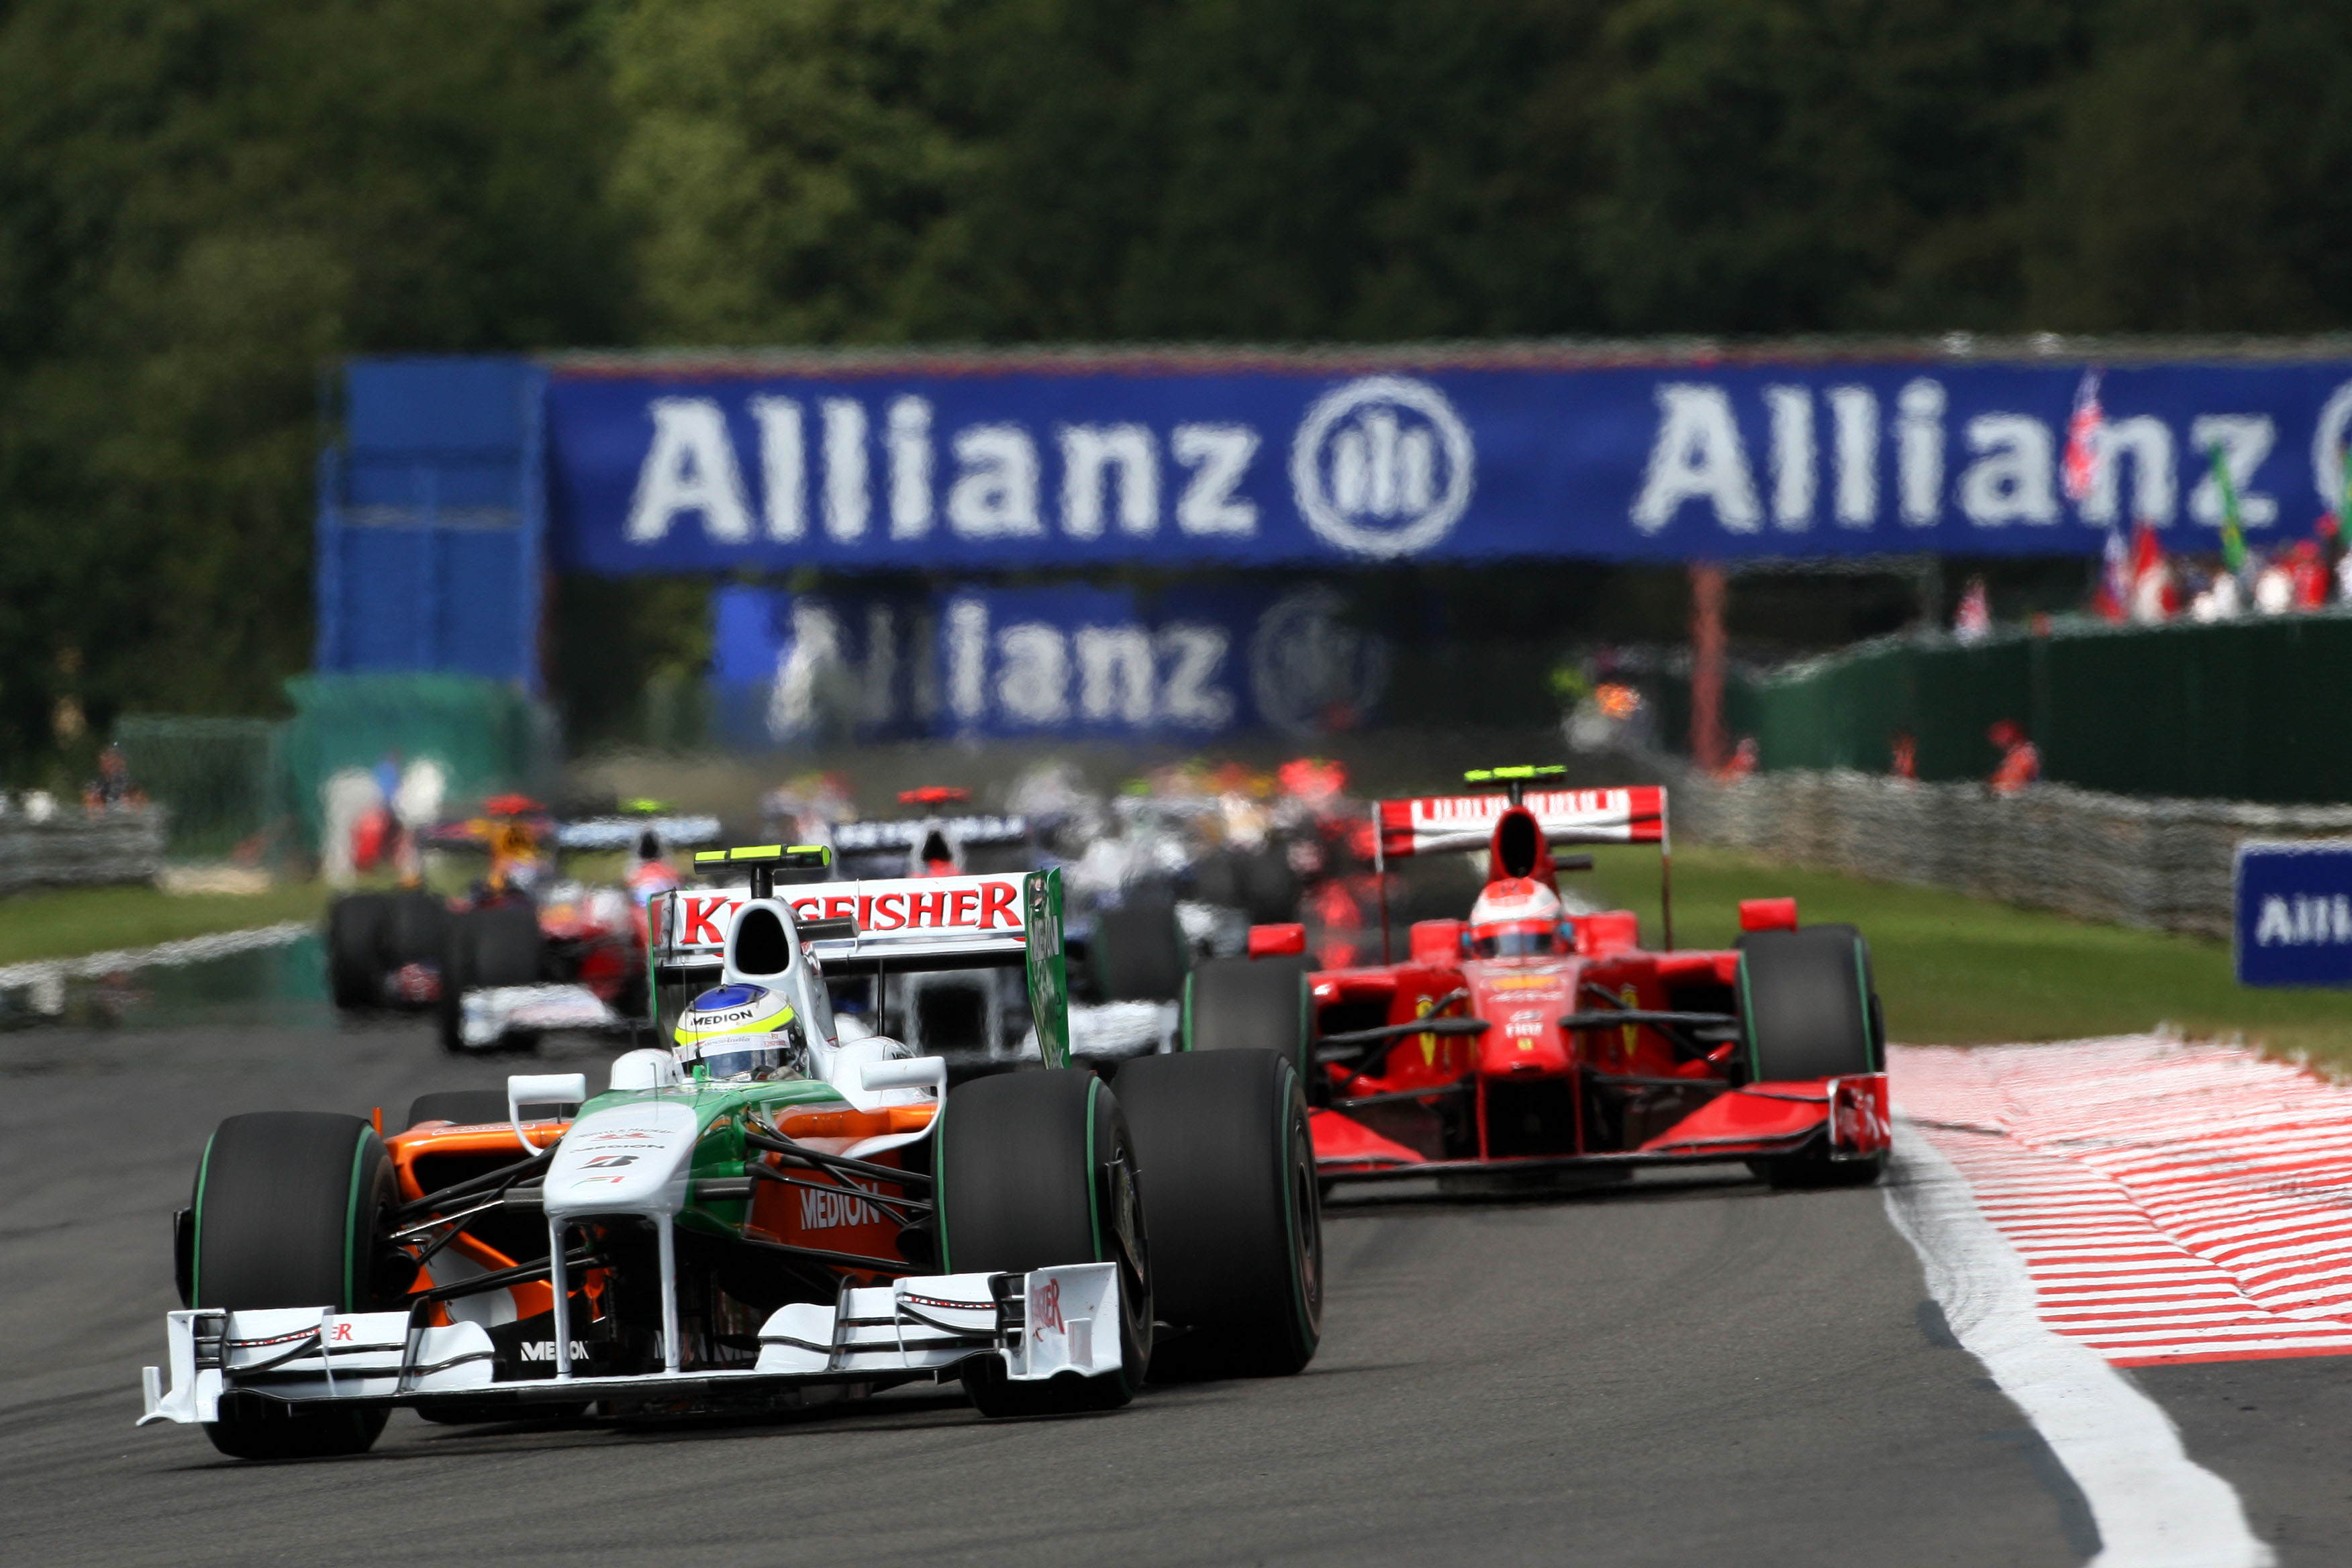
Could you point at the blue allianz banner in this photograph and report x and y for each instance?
(1197, 662)
(2295, 913)
(1039, 461)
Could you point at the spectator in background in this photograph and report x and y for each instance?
(1904, 756)
(113, 786)
(1742, 762)
(1973, 621)
(2308, 566)
(2020, 764)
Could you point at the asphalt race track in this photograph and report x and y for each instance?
(1684, 1370)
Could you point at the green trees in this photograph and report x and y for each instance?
(202, 206)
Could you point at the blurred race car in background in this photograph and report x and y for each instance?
(526, 948)
(1528, 1040)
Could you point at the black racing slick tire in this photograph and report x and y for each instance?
(1249, 1004)
(293, 1208)
(499, 945)
(416, 924)
(354, 937)
(465, 1107)
(1036, 1168)
(1235, 1211)
(1139, 950)
(1808, 1010)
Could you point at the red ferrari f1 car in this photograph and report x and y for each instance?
(1530, 1039)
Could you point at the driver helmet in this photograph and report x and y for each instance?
(1517, 917)
(740, 1034)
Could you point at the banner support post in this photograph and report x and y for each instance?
(1666, 873)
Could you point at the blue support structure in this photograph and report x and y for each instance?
(432, 520)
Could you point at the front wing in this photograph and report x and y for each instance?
(1042, 1323)
(1849, 1115)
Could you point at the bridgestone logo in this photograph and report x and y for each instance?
(828, 1211)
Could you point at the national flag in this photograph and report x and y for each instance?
(2112, 600)
(2233, 535)
(2082, 428)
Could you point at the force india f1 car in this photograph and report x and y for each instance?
(776, 1210)
(1529, 1040)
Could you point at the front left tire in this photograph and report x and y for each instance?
(293, 1210)
(1036, 1169)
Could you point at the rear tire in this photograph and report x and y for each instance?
(1137, 949)
(1808, 1011)
(292, 1210)
(1249, 1004)
(498, 945)
(1030, 1175)
(415, 925)
(1235, 1210)
(354, 936)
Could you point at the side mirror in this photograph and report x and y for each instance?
(906, 1072)
(1768, 914)
(543, 1088)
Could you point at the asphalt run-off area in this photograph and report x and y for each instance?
(2100, 1311)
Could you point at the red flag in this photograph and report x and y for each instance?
(2082, 460)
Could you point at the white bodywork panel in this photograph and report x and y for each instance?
(489, 1015)
(1069, 1321)
(632, 1159)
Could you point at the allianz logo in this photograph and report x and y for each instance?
(2305, 920)
(1381, 466)
(544, 1350)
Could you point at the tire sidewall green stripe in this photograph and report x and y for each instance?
(196, 1252)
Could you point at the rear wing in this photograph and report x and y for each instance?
(864, 837)
(989, 920)
(622, 832)
(1434, 824)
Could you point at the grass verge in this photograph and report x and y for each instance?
(66, 922)
(1957, 970)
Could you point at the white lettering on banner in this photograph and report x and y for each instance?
(1219, 456)
(845, 503)
(1190, 695)
(1920, 451)
(2010, 479)
(784, 464)
(968, 660)
(2327, 449)
(910, 441)
(2307, 921)
(691, 466)
(1697, 456)
(1090, 455)
(875, 705)
(1383, 467)
(2147, 442)
(996, 496)
(1115, 671)
(806, 667)
(1854, 411)
(1792, 454)
(2245, 440)
(1033, 687)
